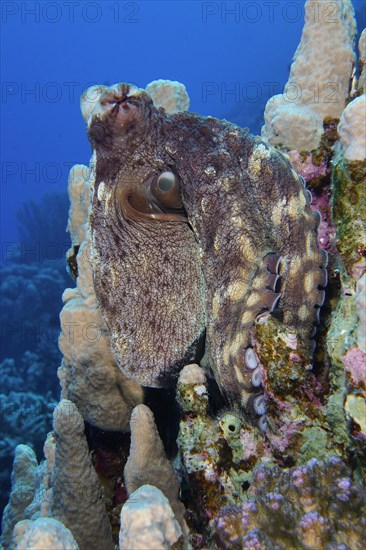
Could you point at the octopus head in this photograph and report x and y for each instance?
(117, 117)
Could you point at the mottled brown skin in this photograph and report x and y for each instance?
(162, 277)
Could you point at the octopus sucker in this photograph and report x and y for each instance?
(198, 228)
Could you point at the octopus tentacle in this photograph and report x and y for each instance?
(259, 238)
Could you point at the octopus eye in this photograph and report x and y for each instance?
(166, 191)
(166, 181)
(157, 199)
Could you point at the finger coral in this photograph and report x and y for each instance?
(319, 79)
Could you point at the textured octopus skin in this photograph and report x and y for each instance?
(245, 242)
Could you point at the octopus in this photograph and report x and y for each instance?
(198, 227)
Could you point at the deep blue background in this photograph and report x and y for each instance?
(51, 51)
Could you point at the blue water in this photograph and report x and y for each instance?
(232, 56)
(228, 55)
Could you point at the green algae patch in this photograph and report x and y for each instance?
(315, 442)
(356, 408)
(349, 209)
(284, 356)
(337, 419)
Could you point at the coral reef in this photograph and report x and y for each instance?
(26, 418)
(352, 129)
(30, 298)
(361, 312)
(147, 521)
(362, 62)
(287, 469)
(318, 84)
(227, 461)
(349, 194)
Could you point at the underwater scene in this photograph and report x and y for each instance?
(183, 275)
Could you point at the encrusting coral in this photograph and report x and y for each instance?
(313, 506)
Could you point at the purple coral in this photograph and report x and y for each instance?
(316, 505)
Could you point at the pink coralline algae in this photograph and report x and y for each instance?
(316, 177)
(326, 230)
(355, 363)
(308, 170)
